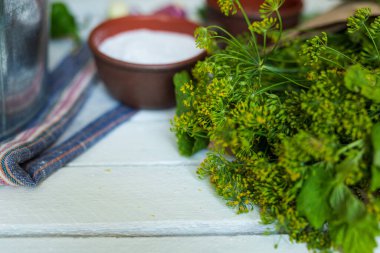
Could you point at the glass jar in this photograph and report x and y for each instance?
(23, 56)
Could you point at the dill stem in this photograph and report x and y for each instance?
(265, 45)
(358, 143)
(331, 61)
(281, 30)
(268, 88)
(339, 53)
(232, 38)
(226, 56)
(373, 41)
(249, 23)
(285, 77)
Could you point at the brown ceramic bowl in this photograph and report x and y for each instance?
(140, 85)
(290, 12)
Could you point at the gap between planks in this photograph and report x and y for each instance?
(222, 244)
(138, 229)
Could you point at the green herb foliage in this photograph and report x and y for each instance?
(293, 126)
(63, 23)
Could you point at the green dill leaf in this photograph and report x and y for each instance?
(350, 165)
(185, 144)
(338, 196)
(63, 23)
(352, 229)
(199, 144)
(188, 143)
(344, 203)
(359, 237)
(375, 183)
(360, 80)
(376, 144)
(180, 79)
(313, 198)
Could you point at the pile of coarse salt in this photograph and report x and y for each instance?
(144, 46)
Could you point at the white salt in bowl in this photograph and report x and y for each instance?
(137, 57)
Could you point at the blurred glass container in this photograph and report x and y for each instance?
(23, 54)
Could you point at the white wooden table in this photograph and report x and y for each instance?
(132, 192)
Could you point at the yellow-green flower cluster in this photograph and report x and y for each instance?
(264, 26)
(315, 47)
(270, 6)
(228, 7)
(375, 28)
(358, 21)
(204, 38)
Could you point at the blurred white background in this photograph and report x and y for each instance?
(100, 7)
(91, 12)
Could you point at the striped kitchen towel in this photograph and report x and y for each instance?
(30, 157)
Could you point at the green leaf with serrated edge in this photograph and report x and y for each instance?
(361, 80)
(349, 165)
(199, 144)
(352, 228)
(376, 144)
(338, 197)
(180, 79)
(184, 140)
(187, 144)
(375, 181)
(359, 237)
(344, 203)
(313, 200)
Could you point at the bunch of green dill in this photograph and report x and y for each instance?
(293, 126)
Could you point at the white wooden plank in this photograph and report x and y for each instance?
(222, 244)
(100, 102)
(127, 201)
(145, 139)
(136, 143)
